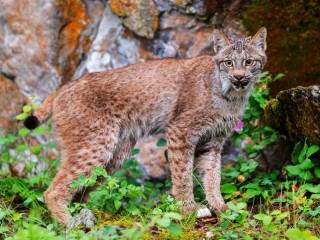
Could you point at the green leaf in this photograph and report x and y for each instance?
(162, 142)
(27, 109)
(241, 205)
(175, 229)
(74, 184)
(278, 76)
(315, 196)
(293, 170)
(252, 193)
(317, 172)
(306, 164)
(22, 116)
(232, 206)
(282, 216)
(310, 188)
(264, 218)
(82, 178)
(173, 215)
(267, 220)
(117, 204)
(252, 185)
(21, 147)
(99, 171)
(297, 234)
(24, 131)
(306, 175)
(6, 157)
(264, 74)
(312, 149)
(36, 150)
(228, 188)
(303, 152)
(259, 216)
(39, 130)
(163, 222)
(135, 151)
(296, 152)
(275, 212)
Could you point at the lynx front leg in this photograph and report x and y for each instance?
(181, 166)
(209, 165)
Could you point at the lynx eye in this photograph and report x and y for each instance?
(228, 63)
(249, 62)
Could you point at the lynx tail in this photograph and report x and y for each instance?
(41, 114)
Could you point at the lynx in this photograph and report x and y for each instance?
(197, 102)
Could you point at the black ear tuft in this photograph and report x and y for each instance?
(31, 122)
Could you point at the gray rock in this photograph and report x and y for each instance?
(85, 218)
(296, 113)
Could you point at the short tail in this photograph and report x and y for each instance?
(41, 114)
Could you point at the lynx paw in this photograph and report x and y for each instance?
(203, 212)
(85, 218)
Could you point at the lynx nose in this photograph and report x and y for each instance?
(239, 75)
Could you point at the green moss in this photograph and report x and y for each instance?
(273, 114)
(296, 113)
(293, 39)
(190, 235)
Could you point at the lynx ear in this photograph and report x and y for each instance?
(220, 41)
(260, 39)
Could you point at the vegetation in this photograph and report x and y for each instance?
(281, 204)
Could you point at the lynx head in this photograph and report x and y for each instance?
(240, 61)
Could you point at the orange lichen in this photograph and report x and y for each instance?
(140, 16)
(72, 34)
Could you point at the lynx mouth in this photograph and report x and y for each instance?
(239, 85)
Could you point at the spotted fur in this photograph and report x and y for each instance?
(197, 102)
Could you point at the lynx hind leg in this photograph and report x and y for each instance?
(121, 153)
(81, 161)
(181, 166)
(209, 167)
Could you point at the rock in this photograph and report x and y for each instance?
(141, 16)
(296, 113)
(111, 48)
(85, 219)
(42, 42)
(198, 7)
(11, 103)
(152, 158)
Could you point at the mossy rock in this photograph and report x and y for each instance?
(296, 113)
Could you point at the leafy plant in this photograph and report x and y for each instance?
(305, 167)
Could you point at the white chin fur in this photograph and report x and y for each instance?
(226, 85)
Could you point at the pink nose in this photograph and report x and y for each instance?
(239, 74)
(239, 77)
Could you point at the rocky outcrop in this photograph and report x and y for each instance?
(296, 113)
(11, 102)
(141, 16)
(40, 41)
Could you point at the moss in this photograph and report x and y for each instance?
(293, 39)
(273, 114)
(296, 113)
(190, 235)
